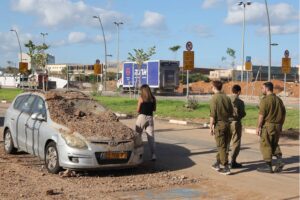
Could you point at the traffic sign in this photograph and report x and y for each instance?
(286, 53)
(248, 64)
(189, 46)
(188, 60)
(97, 69)
(286, 65)
(23, 67)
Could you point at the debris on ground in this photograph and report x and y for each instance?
(68, 173)
(81, 114)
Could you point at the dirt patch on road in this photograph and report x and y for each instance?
(82, 114)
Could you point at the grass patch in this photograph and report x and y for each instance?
(176, 109)
(9, 94)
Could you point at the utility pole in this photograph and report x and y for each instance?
(244, 4)
(270, 53)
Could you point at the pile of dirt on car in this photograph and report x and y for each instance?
(81, 114)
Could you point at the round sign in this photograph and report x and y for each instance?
(189, 46)
(286, 53)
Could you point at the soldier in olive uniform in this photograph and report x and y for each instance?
(220, 112)
(270, 121)
(236, 125)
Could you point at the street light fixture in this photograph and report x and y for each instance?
(44, 34)
(118, 53)
(244, 4)
(105, 51)
(13, 30)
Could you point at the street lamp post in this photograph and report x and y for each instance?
(13, 30)
(118, 53)
(105, 50)
(244, 4)
(270, 51)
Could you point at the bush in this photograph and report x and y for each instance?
(193, 78)
(192, 103)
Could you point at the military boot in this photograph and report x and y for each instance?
(267, 168)
(279, 165)
(216, 166)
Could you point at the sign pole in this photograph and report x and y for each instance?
(284, 87)
(187, 84)
(247, 85)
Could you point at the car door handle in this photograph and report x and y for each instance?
(26, 125)
(12, 119)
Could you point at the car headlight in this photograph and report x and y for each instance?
(74, 141)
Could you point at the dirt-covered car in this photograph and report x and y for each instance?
(67, 129)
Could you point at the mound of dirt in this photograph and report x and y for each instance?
(82, 114)
(252, 88)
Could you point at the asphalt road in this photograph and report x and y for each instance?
(192, 150)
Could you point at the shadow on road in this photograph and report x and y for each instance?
(172, 129)
(170, 157)
(253, 165)
(1, 121)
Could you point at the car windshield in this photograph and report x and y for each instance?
(84, 115)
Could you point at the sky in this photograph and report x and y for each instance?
(212, 26)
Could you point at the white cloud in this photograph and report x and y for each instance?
(280, 30)
(66, 13)
(256, 14)
(282, 17)
(77, 37)
(211, 3)
(9, 47)
(201, 31)
(154, 21)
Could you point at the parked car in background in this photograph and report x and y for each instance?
(30, 126)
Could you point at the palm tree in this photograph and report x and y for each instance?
(175, 49)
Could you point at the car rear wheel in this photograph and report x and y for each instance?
(51, 158)
(8, 143)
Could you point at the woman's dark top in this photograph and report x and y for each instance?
(147, 108)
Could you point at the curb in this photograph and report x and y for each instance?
(123, 116)
(173, 121)
(251, 131)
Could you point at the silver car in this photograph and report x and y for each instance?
(28, 127)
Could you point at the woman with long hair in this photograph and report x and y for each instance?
(146, 106)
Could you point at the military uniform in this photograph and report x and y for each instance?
(236, 126)
(273, 112)
(221, 110)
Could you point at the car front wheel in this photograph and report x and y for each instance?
(8, 143)
(51, 158)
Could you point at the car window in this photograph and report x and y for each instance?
(39, 106)
(26, 106)
(18, 101)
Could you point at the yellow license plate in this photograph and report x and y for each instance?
(115, 155)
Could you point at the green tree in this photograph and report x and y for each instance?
(140, 56)
(231, 52)
(37, 54)
(174, 49)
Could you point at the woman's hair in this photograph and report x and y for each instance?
(146, 93)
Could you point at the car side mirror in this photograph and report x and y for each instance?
(38, 116)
